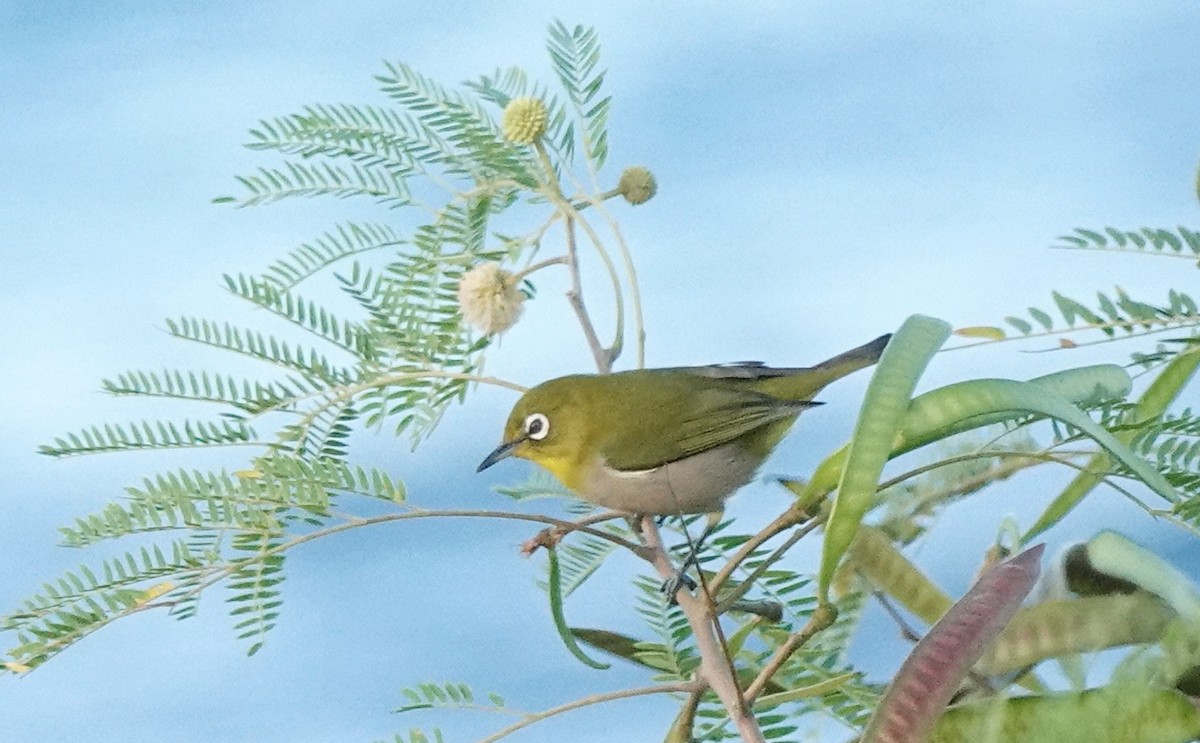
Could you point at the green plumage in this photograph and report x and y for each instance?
(666, 440)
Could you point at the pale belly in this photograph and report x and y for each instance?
(698, 484)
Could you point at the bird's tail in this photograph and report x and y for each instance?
(804, 383)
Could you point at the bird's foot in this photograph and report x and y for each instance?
(677, 582)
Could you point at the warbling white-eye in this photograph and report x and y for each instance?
(666, 441)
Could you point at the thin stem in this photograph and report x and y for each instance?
(635, 294)
(1172, 323)
(733, 596)
(906, 632)
(601, 356)
(604, 358)
(557, 260)
(610, 696)
(610, 267)
(1038, 456)
(221, 571)
(420, 513)
(208, 575)
(783, 522)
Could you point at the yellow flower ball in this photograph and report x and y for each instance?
(637, 185)
(525, 120)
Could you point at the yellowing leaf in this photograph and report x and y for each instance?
(16, 667)
(154, 592)
(989, 332)
(249, 474)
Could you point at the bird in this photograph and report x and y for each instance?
(666, 441)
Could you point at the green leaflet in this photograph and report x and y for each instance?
(560, 621)
(883, 410)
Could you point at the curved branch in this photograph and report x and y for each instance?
(587, 701)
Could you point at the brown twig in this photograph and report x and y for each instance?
(783, 522)
(732, 597)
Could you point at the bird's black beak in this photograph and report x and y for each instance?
(503, 451)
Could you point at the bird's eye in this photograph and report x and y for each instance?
(537, 426)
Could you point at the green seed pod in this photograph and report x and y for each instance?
(889, 571)
(1082, 625)
(1113, 714)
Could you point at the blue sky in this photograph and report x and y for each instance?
(825, 170)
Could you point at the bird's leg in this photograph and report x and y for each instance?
(672, 585)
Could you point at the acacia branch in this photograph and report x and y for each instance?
(600, 355)
(610, 696)
(715, 670)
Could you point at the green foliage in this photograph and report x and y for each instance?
(575, 53)
(1172, 442)
(391, 348)
(149, 435)
(400, 356)
(416, 735)
(343, 241)
(583, 555)
(674, 653)
(1181, 242)
(84, 600)
(448, 695)
(237, 527)
(1115, 315)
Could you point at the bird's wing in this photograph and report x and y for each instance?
(739, 370)
(714, 417)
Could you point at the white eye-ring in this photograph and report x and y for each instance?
(537, 426)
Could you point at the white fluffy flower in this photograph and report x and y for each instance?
(488, 298)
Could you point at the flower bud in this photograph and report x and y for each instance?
(488, 298)
(525, 120)
(637, 185)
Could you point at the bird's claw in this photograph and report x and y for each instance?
(675, 583)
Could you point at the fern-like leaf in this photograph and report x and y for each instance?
(574, 53)
(1114, 314)
(305, 314)
(457, 127)
(343, 241)
(310, 364)
(255, 587)
(1181, 243)
(84, 600)
(322, 179)
(111, 437)
(244, 394)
